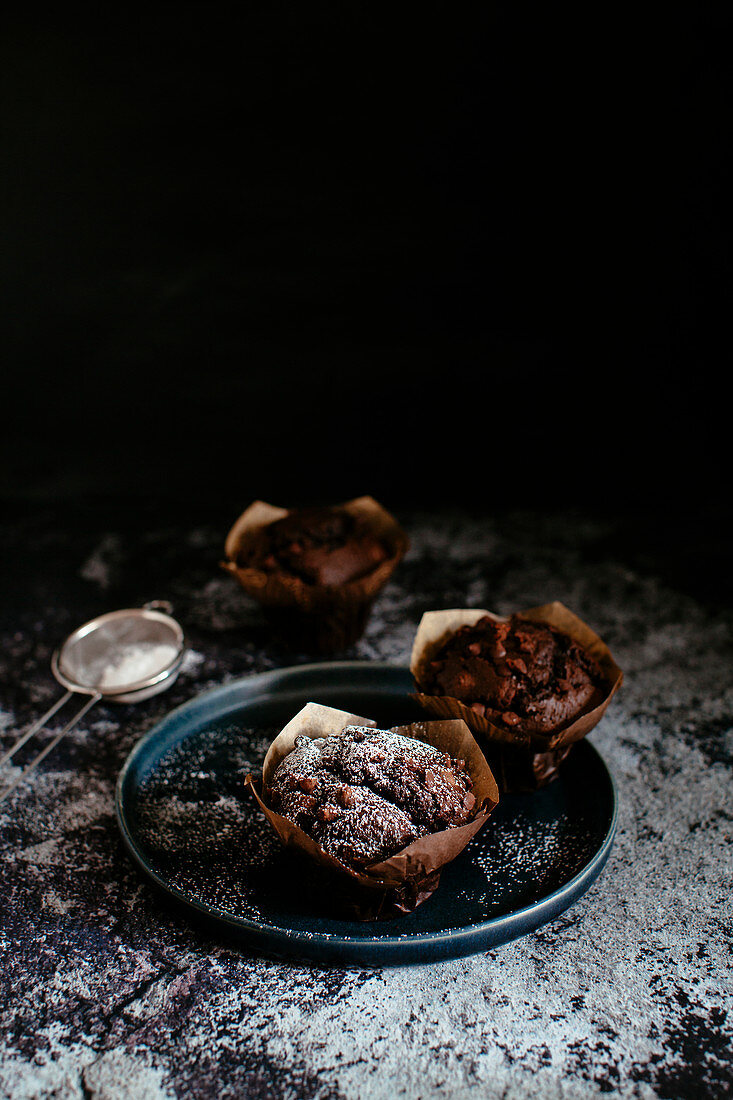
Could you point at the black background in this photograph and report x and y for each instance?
(450, 256)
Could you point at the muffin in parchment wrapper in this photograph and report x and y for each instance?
(397, 885)
(321, 618)
(521, 760)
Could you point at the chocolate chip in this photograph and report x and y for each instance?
(429, 779)
(327, 813)
(469, 801)
(345, 796)
(308, 784)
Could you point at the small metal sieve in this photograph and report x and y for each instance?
(124, 657)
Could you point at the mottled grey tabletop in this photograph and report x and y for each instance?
(108, 992)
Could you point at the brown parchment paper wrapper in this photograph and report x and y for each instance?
(399, 884)
(521, 761)
(323, 618)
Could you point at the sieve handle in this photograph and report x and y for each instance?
(36, 728)
(159, 605)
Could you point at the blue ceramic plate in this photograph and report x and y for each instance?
(189, 828)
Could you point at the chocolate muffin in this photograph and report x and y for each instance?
(367, 793)
(322, 546)
(518, 674)
(315, 572)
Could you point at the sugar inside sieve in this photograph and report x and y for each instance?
(124, 657)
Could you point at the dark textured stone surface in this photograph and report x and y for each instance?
(105, 991)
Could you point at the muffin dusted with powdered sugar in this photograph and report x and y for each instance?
(367, 793)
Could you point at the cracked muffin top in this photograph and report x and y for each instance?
(324, 546)
(365, 793)
(518, 673)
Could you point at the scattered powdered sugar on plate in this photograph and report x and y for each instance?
(206, 838)
(200, 830)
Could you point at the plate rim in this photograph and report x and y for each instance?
(269, 937)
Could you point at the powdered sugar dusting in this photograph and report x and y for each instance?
(134, 663)
(197, 827)
(206, 838)
(107, 992)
